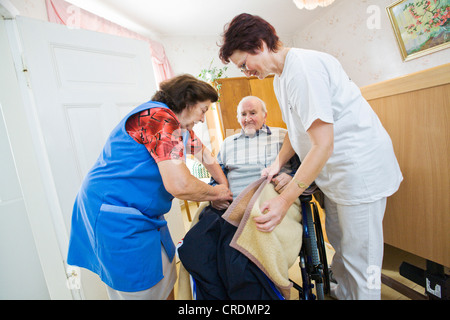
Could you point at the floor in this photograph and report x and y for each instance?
(393, 257)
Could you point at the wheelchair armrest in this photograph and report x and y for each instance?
(305, 197)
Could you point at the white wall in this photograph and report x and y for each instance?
(31, 8)
(368, 55)
(21, 275)
(192, 54)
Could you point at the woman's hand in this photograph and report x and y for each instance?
(321, 136)
(281, 181)
(223, 193)
(273, 211)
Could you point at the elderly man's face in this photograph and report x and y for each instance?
(252, 117)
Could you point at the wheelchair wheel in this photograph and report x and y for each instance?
(313, 253)
(321, 248)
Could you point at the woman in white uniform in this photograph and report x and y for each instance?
(341, 143)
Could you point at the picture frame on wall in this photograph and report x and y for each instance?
(421, 26)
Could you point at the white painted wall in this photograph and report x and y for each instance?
(192, 54)
(31, 8)
(368, 54)
(367, 49)
(21, 275)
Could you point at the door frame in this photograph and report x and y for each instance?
(33, 169)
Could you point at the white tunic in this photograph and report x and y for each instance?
(363, 167)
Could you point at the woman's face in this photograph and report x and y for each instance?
(193, 114)
(252, 64)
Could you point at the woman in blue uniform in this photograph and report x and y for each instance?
(118, 228)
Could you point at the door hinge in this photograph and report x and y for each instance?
(25, 71)
(73, 275)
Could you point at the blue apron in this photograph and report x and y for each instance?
(117, 220)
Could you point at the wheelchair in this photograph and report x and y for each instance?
(312, 257)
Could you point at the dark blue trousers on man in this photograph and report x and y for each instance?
(220, 271)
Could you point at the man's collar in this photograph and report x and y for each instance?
(264, 129)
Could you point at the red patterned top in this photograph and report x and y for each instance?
(159, 130)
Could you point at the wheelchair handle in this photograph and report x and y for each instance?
(305, 198)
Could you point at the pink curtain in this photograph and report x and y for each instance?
(62, 12)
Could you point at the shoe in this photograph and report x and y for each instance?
(331, 277)
(333, 288)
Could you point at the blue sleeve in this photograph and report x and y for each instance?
(213, 182)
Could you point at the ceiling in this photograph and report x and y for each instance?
(162, 18)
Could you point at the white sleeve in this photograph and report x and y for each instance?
(310, 94)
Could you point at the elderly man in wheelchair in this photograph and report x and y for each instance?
(223, 254)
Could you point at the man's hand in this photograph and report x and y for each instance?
(271, 171)
(220, 204)
(281, 181)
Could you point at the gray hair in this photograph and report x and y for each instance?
(247, 98)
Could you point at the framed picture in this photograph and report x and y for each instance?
(421, 26)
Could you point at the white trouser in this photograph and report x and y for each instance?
(356, 234)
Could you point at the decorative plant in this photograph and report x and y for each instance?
(212, 74)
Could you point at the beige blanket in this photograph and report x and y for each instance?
(275, 252)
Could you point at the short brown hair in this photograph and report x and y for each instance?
(246, 32)
(183, 91)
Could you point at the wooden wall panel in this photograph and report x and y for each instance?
(234, 89)
(264, 89)
(417, 217)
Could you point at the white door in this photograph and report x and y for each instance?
(79, 84)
